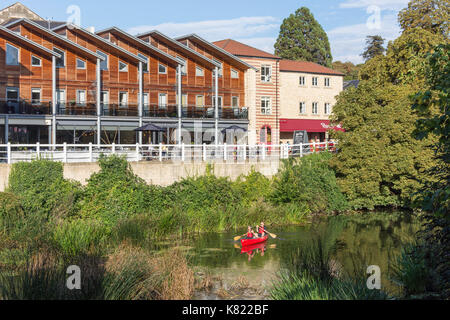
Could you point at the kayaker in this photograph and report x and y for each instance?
(250, 233)
(262, 230)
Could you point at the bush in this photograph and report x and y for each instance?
(114, 193)
(42, 188)
(11, 213)
(309, 180)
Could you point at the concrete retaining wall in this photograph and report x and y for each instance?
(162, 174)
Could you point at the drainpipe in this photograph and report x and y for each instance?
(141, 96)
(216, 102)
(180, 101)
(53, 101)
(99, 111)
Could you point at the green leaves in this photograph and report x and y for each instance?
(303, 38)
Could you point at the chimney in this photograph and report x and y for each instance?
(91, 29)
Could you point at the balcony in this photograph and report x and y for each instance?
(116, 110)
(25, 107)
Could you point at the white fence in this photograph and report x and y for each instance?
(68, 153)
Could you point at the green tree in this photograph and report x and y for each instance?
(303, 38)
(374, 47)
(430, 15)
(350, 70)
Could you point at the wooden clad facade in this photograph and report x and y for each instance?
(196, 85)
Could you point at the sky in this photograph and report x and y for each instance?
(254, 22)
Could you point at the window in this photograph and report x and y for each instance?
(12, 55)
(61, 98)
(81, 64)
(327, 82)
(199, 72)
(146, 102)
(145, 65)
(235, 102)
(183, 66)
(184, 100)
(302, 107)
(104, 99)
(327, 108)
(105, 63)
(123, 67)
(200, 101)
(266, 73)
(162, 101)
(36, 62)
(234, 74)
(266, 105)
(60, 62)
(315, 81)
(81, 97)
(302, 81)
(315, 108)
(123, 99)
(162, 69)
(219, 100)
(220, 68)
(35, 96)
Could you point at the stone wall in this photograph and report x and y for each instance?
(162, 174)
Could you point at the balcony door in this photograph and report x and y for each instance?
(12, 99)
(61, 99)
(104, 102)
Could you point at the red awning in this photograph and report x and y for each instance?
(291, 125)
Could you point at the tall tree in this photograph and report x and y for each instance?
(350, 70)
(303, 38)
(431, 15)
(374, 47)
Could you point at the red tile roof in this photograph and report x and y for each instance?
(307, 67)
(239, 49)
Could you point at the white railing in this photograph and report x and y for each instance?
(79, 153)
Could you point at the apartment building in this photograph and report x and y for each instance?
(264, 91)
(308, 93)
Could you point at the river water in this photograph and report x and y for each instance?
(227, 272)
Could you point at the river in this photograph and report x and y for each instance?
(226, 272)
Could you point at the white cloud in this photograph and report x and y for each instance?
(348, 42)
(393, 5)
(216, 29)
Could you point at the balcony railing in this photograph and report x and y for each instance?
(12, 106)
(116, 110)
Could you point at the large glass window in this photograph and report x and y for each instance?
(81, 64)
(123, 67)
(123, 99)
(145, 65)
(12, 55)
(199, 72)
(60, 62)
(103, 64)
(81, 97)
(162, 101)
(234, 74)
(162, 69)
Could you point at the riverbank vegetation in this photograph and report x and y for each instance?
(48, 222)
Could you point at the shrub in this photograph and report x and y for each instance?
(11, 213)
(309, 180)
(115, 192)
(42, 188)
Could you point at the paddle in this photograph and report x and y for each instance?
(238, 237)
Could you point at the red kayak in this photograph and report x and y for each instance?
(250, 242)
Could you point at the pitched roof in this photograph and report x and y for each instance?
(142, 43)
(351, 83)
(221, 51)
(240, 49)
(12, 34)
(307, 67)
(97, 38)
(179, 45)
(19, 10)
(55, 36)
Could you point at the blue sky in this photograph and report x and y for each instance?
(255, 22)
